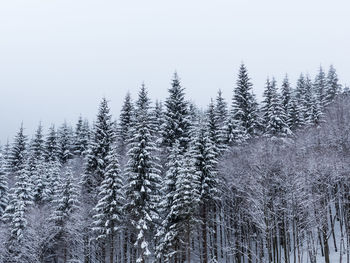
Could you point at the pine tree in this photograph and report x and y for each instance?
(244, 105)
(214, 129)
(15, 216)
(143, 179)
(176, 123)
(333, 88)
(126, 119)
(17, 156)
(274, 114)
(81, 137)
(65, 143)
(221, 116)
(207, 182)
(3, 186)
(102, 140)
(320, 87)
(37, 145)
(51, 145)
(286, 94)
(108, 211)
(158, 121)
(65, 218)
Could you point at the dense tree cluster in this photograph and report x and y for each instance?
(170, 183)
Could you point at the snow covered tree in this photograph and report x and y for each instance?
(15, 216)
(158, 121)
(51, 145)
(286, 95)
(65, 143)
(66, 233)
(176, 123)
(142, 173)
(126, 119)
(244, 105)
(214, 129)
(37, 147)
(320, 87)
(221, 116)
(102, 140)
(206, 181)
(275, 117)
(333, 88)
(81, 137)
(17, 156)
(3, 186)
(108, 211)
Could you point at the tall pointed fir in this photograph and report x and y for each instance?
(300, 94)
(221, 114)
(51, 145)
(158, 121)
(333, 88)
(176, 123)
(286, 96)
(125, 123)
(81, 137)
(3, 186)
(65, 143)
(143, 180)
(108, 211)
(320, 87)
(102, 140)
(206, 183)
(65, 218)
(15, 216)
(275, 118)
(18, 152)
(244, 105)
(37, 147)
(214, 129)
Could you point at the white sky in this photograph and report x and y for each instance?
(59, 57)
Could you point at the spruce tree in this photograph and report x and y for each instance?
(65, 143)
(221, 116)
(206, 181)
(64, 218)
(286, 95)
(333, 88)
(143, 178)
(108, 211)
(320, 87)
(18, 152)
(102, 140)
(51, 145)
(126, 119)
(244, 105)
(81, 137)
(176, 123)
(37, 147)
(3, 186)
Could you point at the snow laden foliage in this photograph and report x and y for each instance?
(176, 183)
(177, 120)
(143, 180)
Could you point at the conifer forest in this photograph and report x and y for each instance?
(238, 181)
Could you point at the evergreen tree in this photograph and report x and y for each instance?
(176, 123)
(103, 138)
(158, 121)
(17, 156)
(206, 181)
(286, 94)
(81, 137)
(51, 145)
(3, 186)
(37, 147)
(244, 105)
(221, 116)
(108, 211)
(126, 119)
(15, 216)
(143, 179)
(214, 129)
(65, 218)
(333, 88)
(65, 143)
(320, 86)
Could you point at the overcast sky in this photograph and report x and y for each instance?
(58, 58)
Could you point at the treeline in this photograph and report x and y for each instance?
(168, 182)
